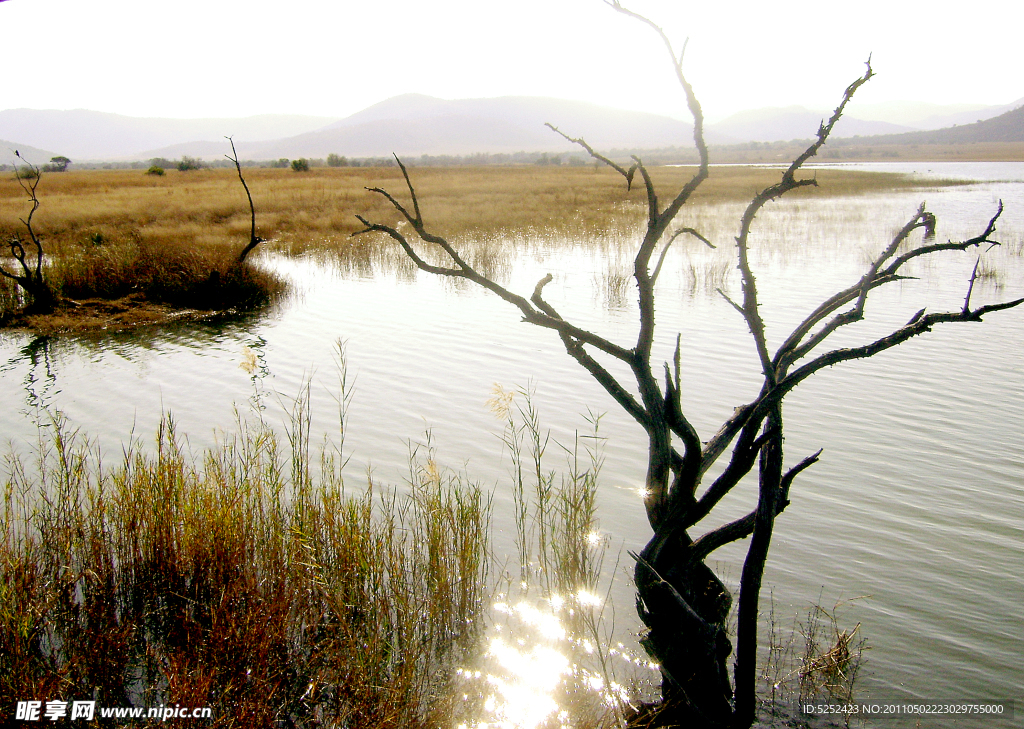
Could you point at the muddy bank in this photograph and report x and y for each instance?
(83, 316)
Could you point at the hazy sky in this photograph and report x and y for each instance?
(210, 58)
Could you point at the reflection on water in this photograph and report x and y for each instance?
(545, 666)
(40, 380)
(917, 500)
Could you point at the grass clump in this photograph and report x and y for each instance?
(248, 580)
(224, 582)
(818, 662)
(207, 278)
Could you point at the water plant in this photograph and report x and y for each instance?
(233, 582)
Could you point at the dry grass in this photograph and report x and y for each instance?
(102, 254)
(226, 582)
(172, 238)
(208, 207)
(127, 283)
(198, 278)
(249, 581)
(817, 662)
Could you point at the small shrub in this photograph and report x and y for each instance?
(186, 163)
(155, 170)
(300, 165)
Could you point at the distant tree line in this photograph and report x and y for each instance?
(188, 163)
(60, 163)
(651, 157)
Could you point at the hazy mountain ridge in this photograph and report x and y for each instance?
(795, 122)
(1008, 127)
(924, 116)
(414, 124)
(29, 153)
(84, 134)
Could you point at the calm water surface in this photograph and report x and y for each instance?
(917, 503)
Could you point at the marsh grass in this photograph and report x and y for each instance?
(818, 660)
(12, 297)
(105, 256)
(234, 581)
(317, 209)
(171, 239)
(198, 278)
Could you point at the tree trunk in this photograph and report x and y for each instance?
(684, 606)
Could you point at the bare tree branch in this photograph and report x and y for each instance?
(530, 312)
(254, 240)
(628, 174)
(750, 310)
(31, 278)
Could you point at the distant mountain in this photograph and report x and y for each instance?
(942, 120)
(923, 116)
(794, 122)
(36, 156)
(1008, 127)
(773, 124)
(92, 135)
(413, 124)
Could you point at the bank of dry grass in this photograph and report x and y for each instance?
(126, 283)
(208, 207)
(201, 278)
(104, 256)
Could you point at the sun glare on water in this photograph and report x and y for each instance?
(532, 668)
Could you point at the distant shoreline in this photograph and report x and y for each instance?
(866, 152)
(749, 153)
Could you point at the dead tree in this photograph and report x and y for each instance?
(31, 278)
(254, 240)
(681, 601)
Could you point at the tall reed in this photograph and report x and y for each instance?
(225, 581)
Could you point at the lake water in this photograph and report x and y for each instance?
(917, 505)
